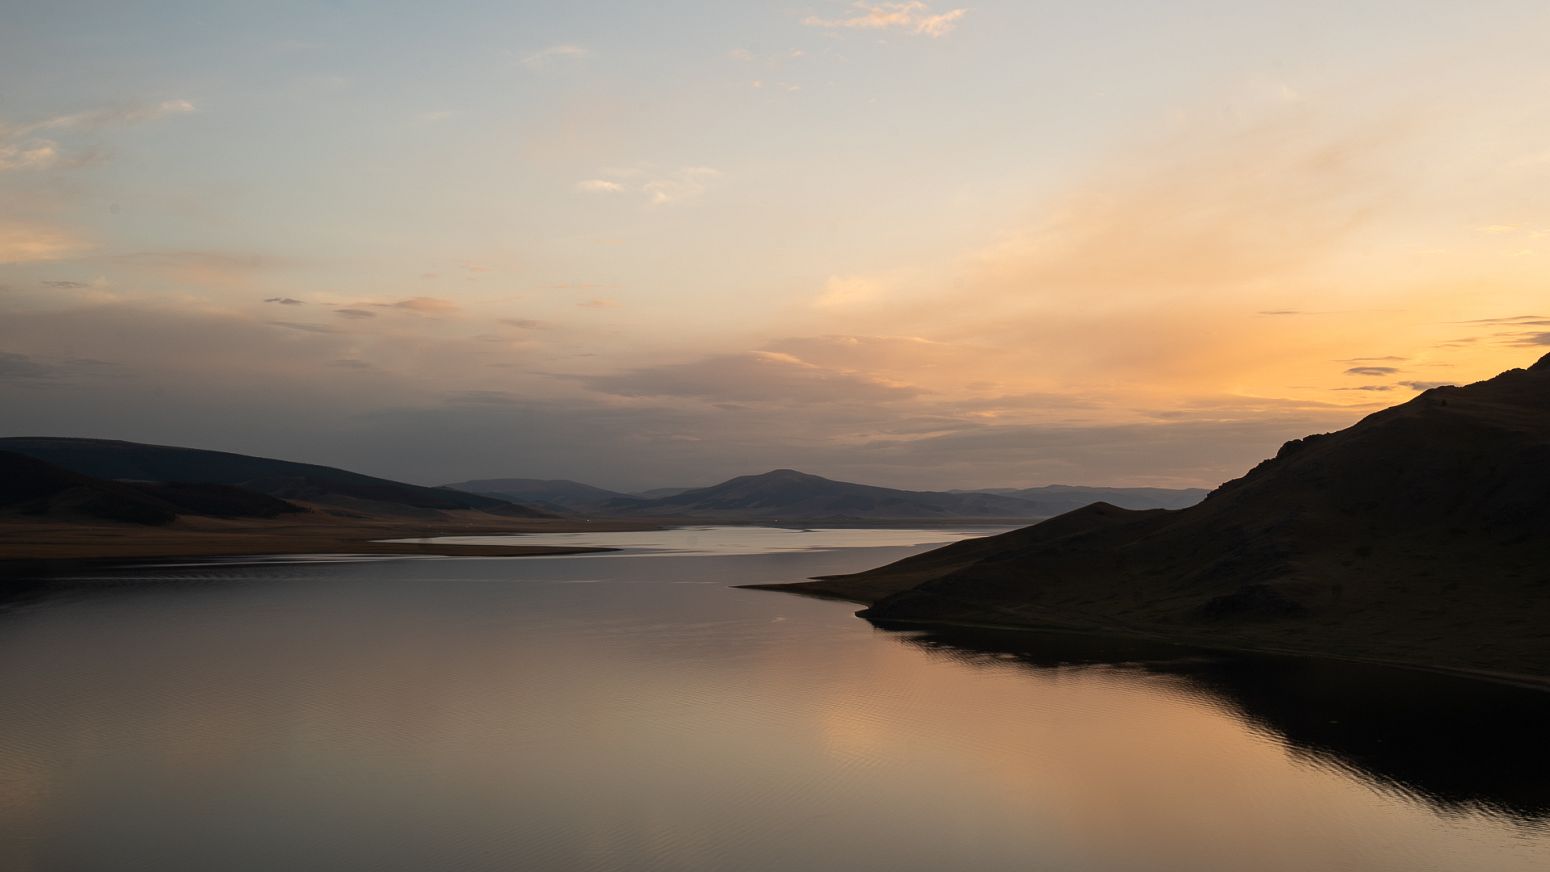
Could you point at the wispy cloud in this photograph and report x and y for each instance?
(423, 305)
(38, 154)
(912, 16)
(285, 301)
(29, 243)
(554, 54)
(105, 117)
(1371, 370)
(659, 188)
(24, 147)
(756, 376)
(842, 291)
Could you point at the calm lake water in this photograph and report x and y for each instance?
(632, 711)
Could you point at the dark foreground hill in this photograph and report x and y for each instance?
(788, 495)
(1419, 535)
(31, 488)
(323, 485)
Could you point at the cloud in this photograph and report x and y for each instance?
(522, 323)
(22, 149)
(544, 58)
(303, 327)
(597, 303)
(1371, 370)
(285, 301)
(1513, 321)
(680, 185)
(106, 117)
(355, 313)
(66, 285)
(659, 188)
(30, 243)
(842, 291)
(20, 366)
(37, 154)
(1425, 385)
(203, 268)
(912, 16)
(751, 377)
(24, 368)
(423, 305)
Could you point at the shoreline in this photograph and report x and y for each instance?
(44, 549)
(1526, 681)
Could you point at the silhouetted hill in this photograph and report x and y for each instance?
(791, 495)
(132, 461)
(557, 494)
(1062, 498)
(657, 493)
(788, 495)
(1421, 534)
(34, 488)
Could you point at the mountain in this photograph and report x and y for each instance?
(556, 494)
(1419, 535)
(657, 493)
(793, 495)
(788, 495)
(1062, 498)
(35, 489)
(334, 488)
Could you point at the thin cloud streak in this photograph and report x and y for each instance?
(912, 16)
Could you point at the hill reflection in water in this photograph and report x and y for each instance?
(1457, 743)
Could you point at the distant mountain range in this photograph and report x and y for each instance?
(336, 490)
(1067, 497)
(789, 495)
(552, 494)
(1421, 534)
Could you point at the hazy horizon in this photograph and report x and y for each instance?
(920, 245)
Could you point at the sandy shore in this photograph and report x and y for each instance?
(29, 547)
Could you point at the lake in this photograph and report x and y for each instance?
(634, 711)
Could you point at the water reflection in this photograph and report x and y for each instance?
(616, 713)
(1456, 743)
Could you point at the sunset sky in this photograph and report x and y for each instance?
(644, 244)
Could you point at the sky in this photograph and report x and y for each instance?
(916, 244)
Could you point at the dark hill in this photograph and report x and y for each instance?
(556, 494)
(33, 488)
(1062, 498)
(789, 495)
(1421, 535)
(132, 461)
